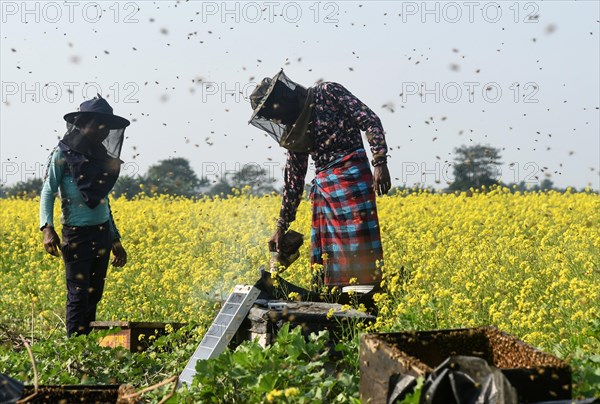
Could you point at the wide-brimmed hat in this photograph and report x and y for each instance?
(98, 106)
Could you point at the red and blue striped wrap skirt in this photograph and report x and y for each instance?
(345, 225)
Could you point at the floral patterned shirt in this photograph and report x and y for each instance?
(338, 117)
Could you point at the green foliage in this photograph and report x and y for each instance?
(172, 176)
(127, 186)
(24, 189)
(586, 373)
(175, 176)
(294, 369)
(475, 166)
(221, 187)
(585, 363)
(254, 177)
(81, 360)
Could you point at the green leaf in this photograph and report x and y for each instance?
(266, 383)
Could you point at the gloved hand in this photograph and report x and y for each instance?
(275, 242)
(51, 241)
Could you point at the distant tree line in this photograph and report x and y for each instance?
(474, 167)
(176, 177)
(477, 166)
(172, 176)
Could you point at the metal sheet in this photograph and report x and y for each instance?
(224, 327)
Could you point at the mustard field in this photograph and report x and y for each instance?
(526, 263)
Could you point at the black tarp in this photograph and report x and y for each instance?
(10, 390)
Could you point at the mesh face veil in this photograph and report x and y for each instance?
(277, 103)
(113, 142)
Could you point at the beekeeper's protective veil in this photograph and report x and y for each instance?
(92, 156)
(283, 109)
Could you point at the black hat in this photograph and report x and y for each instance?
(100, 107)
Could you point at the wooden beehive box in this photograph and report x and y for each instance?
(73, 394)
(133, 335)
(537, 376)
(267, 316)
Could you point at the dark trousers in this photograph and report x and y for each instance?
(85, 251)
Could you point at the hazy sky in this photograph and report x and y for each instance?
(519, 76)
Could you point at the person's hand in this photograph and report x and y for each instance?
(51, 241)
(381, 180)
(275, 241)
(119, 254)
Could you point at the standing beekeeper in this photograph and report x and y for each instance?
(325, 122)
(84, 168)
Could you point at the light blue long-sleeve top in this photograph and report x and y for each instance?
(74, 210)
